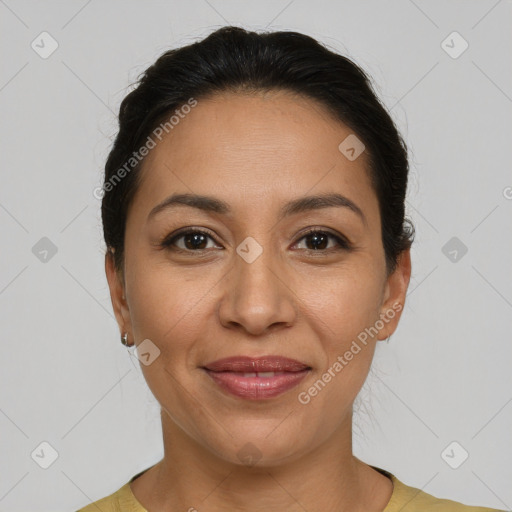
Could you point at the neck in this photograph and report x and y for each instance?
(328, 478)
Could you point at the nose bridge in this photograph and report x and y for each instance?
(257, 298)
(256, 275)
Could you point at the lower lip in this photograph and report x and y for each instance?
(257, 388)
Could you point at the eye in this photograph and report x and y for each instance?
(318, 240)
(196, 240)
(191, 240)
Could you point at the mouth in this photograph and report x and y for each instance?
(256, 378)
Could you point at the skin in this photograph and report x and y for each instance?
(256, 152)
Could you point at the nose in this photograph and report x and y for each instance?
(256, 298)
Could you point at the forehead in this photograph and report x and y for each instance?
(268, 144)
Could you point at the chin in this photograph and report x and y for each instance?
(257, 449)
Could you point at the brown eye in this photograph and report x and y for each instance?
(317, 240)
(192, 240)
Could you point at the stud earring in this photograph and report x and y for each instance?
(124, 339)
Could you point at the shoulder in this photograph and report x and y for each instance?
(121, 500)
(411, 499)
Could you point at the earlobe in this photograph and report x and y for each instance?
(396, 291)
(117, 293)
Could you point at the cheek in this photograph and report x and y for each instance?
(344, 303)
(341, 313)
(167, 310)
(163, 306)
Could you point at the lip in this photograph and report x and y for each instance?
(228, 374)
(256, 364)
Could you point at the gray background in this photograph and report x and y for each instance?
(65, 377)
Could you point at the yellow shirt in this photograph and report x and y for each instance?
(403, 499)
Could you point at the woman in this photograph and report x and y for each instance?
(253, 212)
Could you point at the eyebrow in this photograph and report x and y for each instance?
(300, 205)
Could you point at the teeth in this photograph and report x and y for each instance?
(262, 374)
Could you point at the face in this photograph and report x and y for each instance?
(257, 270)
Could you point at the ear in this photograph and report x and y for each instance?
(116, 284)
(394, 295)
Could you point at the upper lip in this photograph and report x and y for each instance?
(256, 364)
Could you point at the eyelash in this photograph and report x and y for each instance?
(343, 244)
